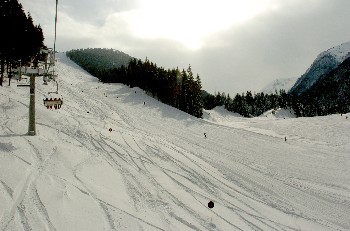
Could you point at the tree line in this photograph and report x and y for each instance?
(176, 88)
(20, 39)
(250, 105)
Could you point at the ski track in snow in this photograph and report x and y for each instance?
(156, 171)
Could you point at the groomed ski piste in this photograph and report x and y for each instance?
(156, 170)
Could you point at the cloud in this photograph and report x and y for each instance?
(77, 20)
(234, 45)
(95, 12)
(189, 22)
(279, 44)
(183, 21)
(42, 12)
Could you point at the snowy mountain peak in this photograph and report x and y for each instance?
(278, 84)
(323, 64)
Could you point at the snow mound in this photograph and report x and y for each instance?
(280, 113)
(222, 116)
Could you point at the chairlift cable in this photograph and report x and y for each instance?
(54, 44)
(56, 103)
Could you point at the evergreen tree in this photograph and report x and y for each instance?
(190, 91)
(208, 100)
(20, 39)
(228, 103)
(198, 100)
(184, 91)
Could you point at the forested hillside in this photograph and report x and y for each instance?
(177, 88)
(97, 60)
(321, 66)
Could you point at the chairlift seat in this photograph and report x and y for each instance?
(56, 103)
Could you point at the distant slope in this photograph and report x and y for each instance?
(95, 60)
(278, 84)
(324, 63)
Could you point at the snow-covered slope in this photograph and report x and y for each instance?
(157, 171)
(324, 63)
(278, 84)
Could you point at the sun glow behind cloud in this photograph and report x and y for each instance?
(189, 22)
(221, 39)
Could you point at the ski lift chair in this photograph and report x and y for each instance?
(56, 103)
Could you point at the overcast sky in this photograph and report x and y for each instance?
(234, 45)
